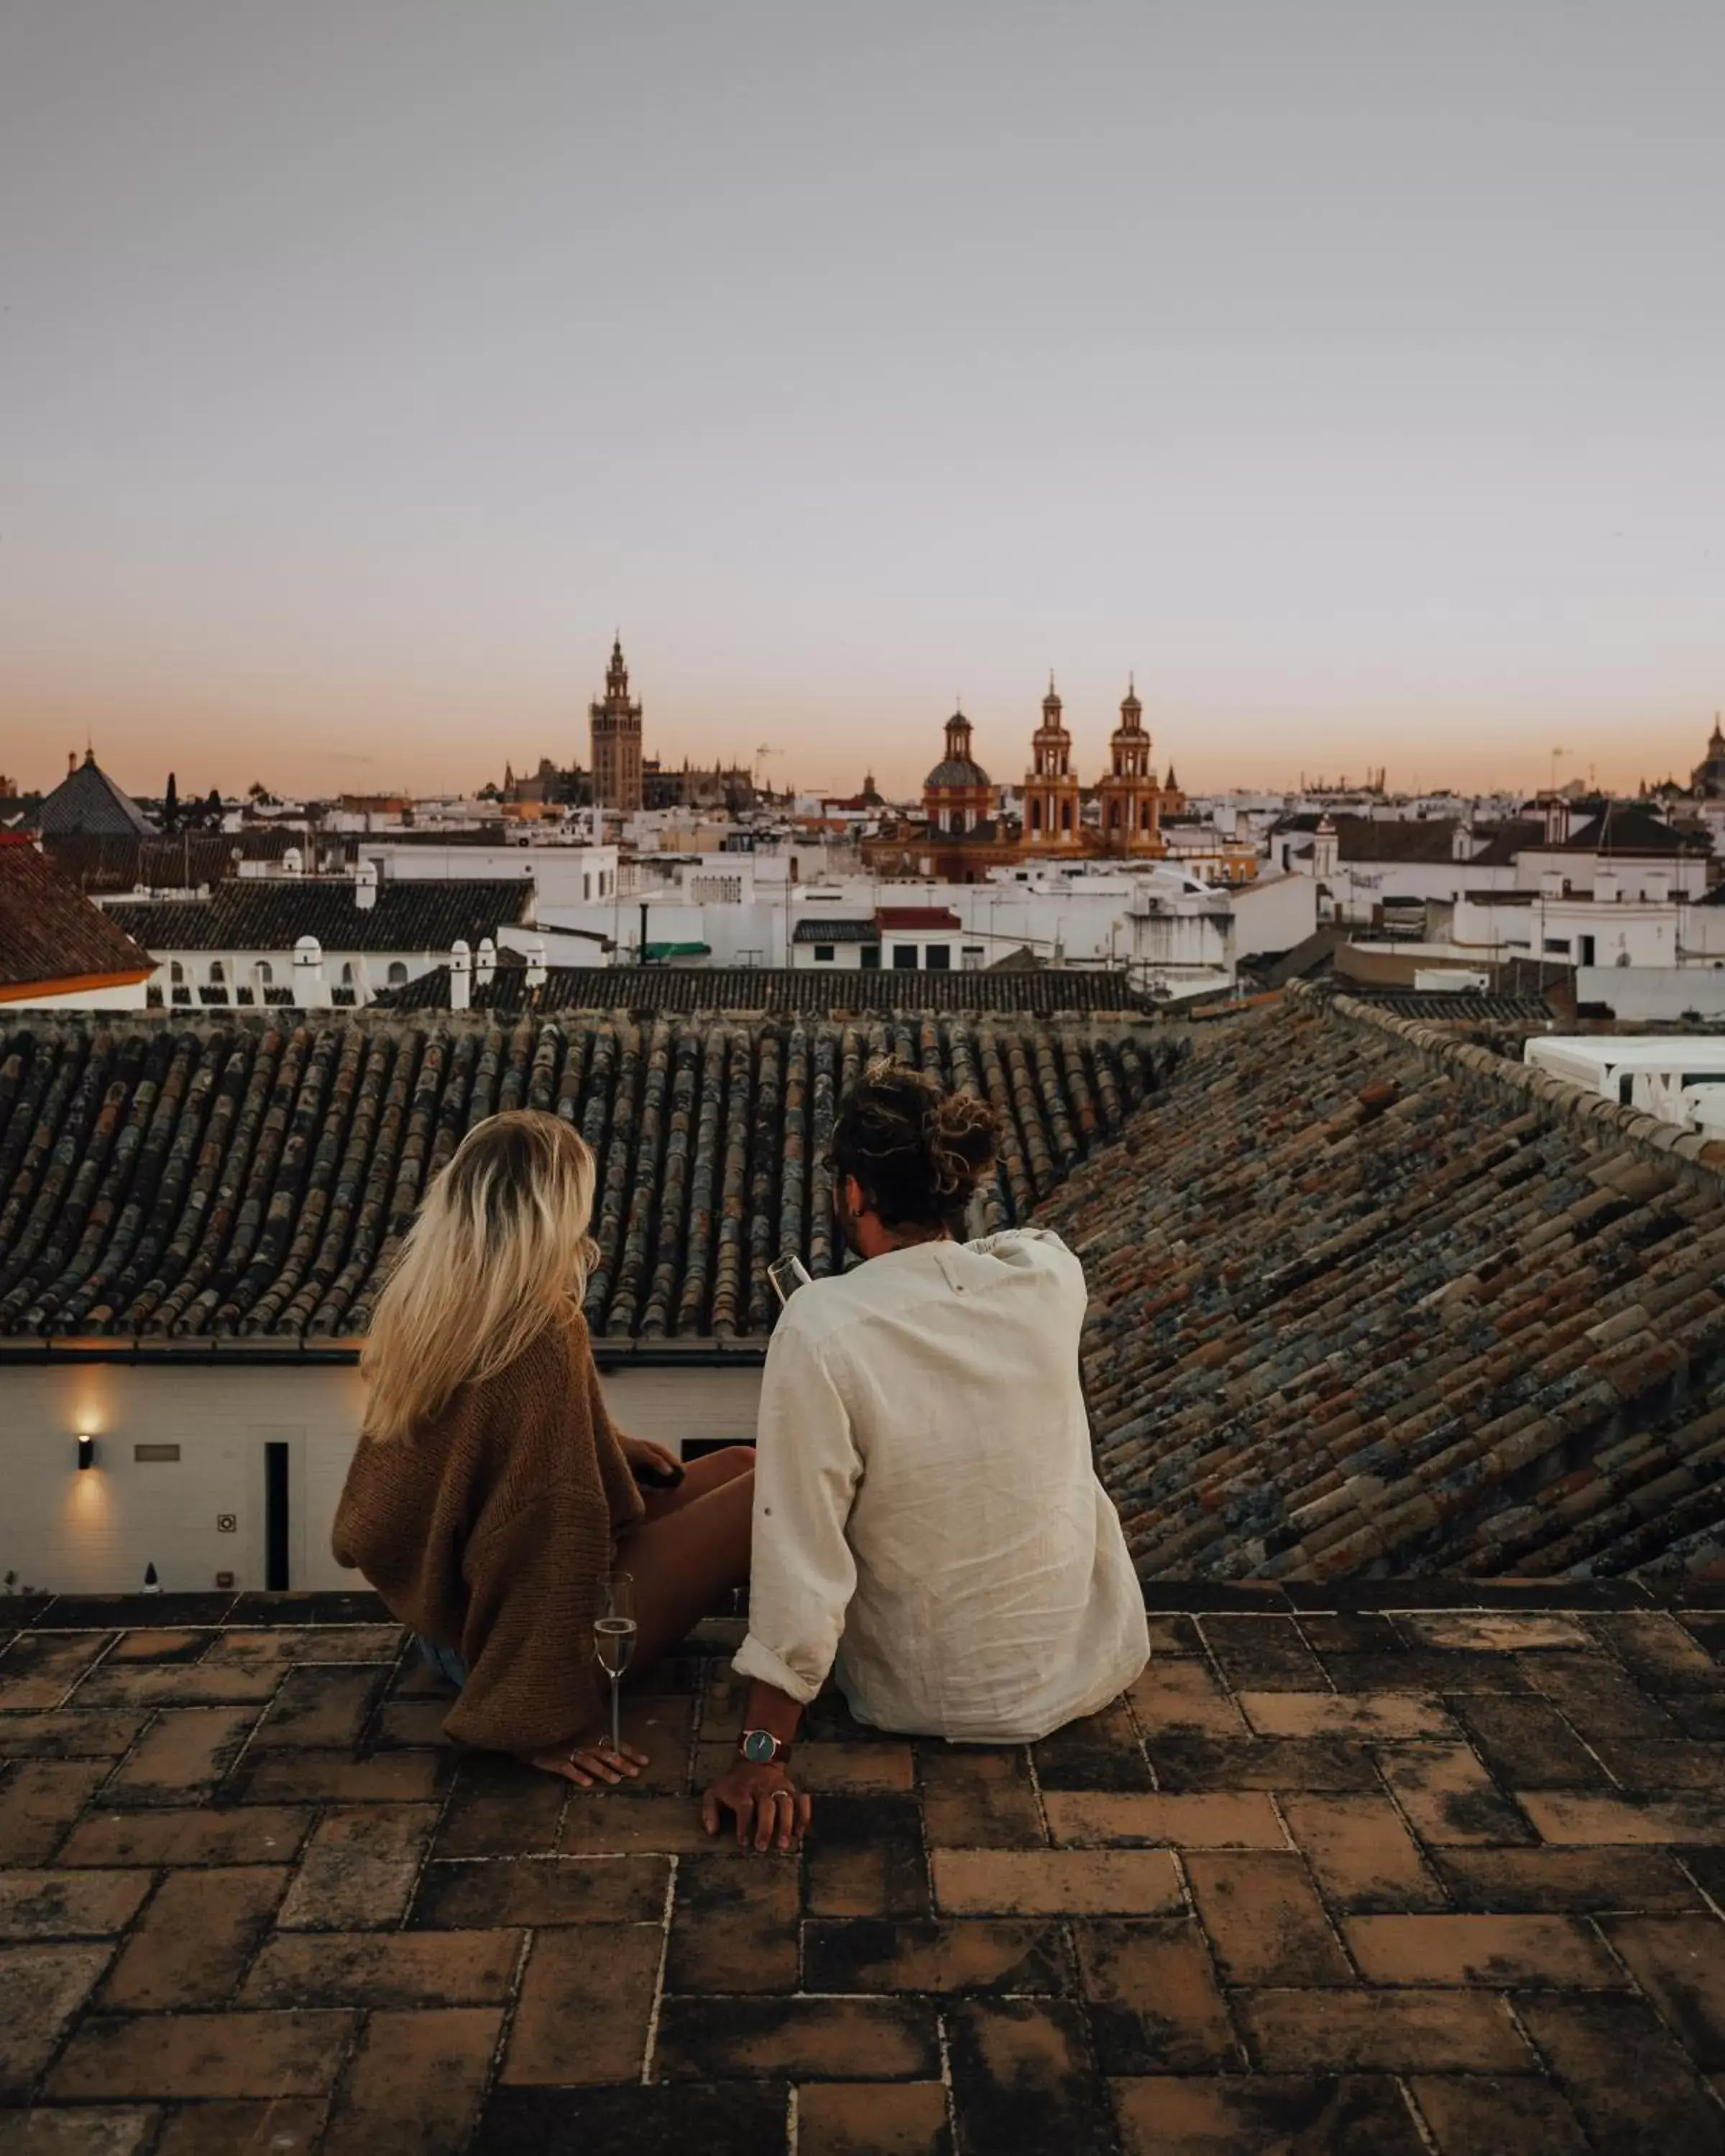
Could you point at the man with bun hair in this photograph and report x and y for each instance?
(928, 1524)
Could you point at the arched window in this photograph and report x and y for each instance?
(1113, 815)
(217, 973)
(397, 973)
(1035, 813)
(1066, 815)
(265, 972)
(347, 972)
(1143, 815)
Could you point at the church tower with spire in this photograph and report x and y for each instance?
(616, 736)
(1052, 802)
(1131, 798)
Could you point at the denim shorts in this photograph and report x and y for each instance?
(444, 1660)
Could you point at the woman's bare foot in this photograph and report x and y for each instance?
(584, 1764)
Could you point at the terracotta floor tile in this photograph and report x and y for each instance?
(1262, 1654)
(329, 1777)
(1495, 1632)
(972, 1955)
(1680, 1963)
(1184, 1698)
(733, 1925)
(1527, 1744)
(314, 1707)
(357, 1871)
(978, 1799)
(1101, 1752)
(1561, 1952)
(582, 2017)
(1022, 2078)
(676, 2118)
(246, 1836)
(383, 1968)
(38, 1670)
(1564, 1815)
(505, 1891)
(872, 2118)
(195, 1939)
(1260, 1763)
(1630, 2086)
(43, 1986)
(1396, 2032)
(1265, 1923)
(69, 1733)
(1266, 2115)
(1010, 1882)
(1582, 1880)
(1447, 1796)
(1470, 2114)
(414, 2083)
(38, 1801)
(185, 1750)
(1165, 1818)
(865, 1858)
(70, 1904)
(288, 2126)
(85, 2130)
(1380, 1715)
(500, 1808)
(1154, 2005)
(620, 1823)
(796, 2040)
(1361, 1853)
(203, 2054)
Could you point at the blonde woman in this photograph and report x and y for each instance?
(489, 1493)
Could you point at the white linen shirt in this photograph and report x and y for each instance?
(928, 1522)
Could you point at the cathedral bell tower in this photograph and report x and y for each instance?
(1131, 798)
(1051, 821)
(616, 735)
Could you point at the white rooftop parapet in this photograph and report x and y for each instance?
(485, 965)
(536, 961)
(460, 976)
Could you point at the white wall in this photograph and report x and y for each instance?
(93, 1532)
(1273, 914)
(1653, 992)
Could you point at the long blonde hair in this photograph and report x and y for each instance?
(498, 1250)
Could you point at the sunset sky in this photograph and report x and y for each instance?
(1355, 373)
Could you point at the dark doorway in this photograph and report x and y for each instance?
(275, 1517)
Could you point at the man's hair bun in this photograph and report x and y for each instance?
(917, 1152)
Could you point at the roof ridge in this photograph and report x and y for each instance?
(1698, 1161)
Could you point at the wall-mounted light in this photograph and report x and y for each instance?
(86, 1452)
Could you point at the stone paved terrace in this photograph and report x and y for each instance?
(1387, 1870)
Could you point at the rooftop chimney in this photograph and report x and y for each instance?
(71, 761)
(485, 966)
(460, 976)
(292, 861)
(308, 975)
(365, 886)
(536, 961)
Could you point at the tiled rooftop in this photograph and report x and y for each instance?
(685, 990)
(1332, 1877)
(273, 915)
(178, 1179)
(1367, 1298)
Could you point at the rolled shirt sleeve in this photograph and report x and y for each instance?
(807, 1469)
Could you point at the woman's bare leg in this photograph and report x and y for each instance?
(683, 1560)
(699, 1478)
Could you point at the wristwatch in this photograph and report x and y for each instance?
(759, 1746)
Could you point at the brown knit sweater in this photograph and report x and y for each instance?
(487, 1531)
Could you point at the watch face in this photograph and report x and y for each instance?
(758, 1746)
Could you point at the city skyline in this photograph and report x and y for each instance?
(1352, 383)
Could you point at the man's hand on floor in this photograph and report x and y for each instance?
(770, 1812)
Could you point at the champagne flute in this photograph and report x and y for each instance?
(788, 1274)
(613, 1638)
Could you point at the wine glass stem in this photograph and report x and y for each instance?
(616, 1732)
